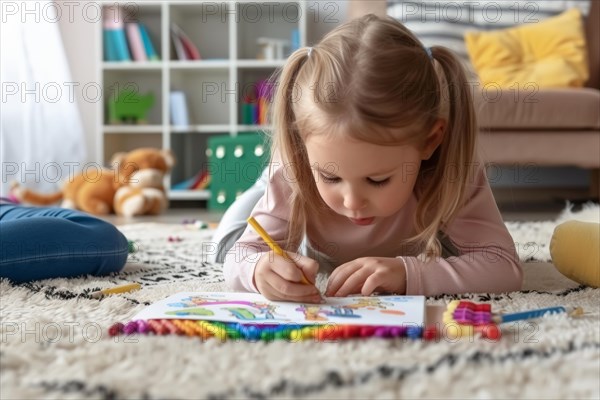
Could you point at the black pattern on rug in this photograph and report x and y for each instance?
(157, 260)
(335, 380)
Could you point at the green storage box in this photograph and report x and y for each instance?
(235, 163)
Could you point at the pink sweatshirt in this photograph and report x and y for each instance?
(486, 258)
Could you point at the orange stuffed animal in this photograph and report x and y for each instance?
(135, 187)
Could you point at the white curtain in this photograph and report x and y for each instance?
(41, 133)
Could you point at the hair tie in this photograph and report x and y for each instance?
(429, 54)
(309, 51)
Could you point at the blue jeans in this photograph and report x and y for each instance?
(41, 243)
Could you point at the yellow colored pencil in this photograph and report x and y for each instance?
(117, 289)
(273, 245)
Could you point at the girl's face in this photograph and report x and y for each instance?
(363, 181)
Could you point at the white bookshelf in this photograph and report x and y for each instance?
(226, 35)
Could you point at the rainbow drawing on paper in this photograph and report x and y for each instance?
(242, 310)
(254, 308)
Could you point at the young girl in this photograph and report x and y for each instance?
(374, 174)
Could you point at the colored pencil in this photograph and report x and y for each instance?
(273, 245)
(117, 289)
(530, 314)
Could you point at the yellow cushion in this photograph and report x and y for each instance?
(575, 250)
(551, 53)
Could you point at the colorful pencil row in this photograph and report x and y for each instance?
(256, 332)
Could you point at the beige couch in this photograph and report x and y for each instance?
(559, 127)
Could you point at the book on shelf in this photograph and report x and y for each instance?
(110, 52)
(124, 42)
(200, 181)
(136, 44)
(148, 46)
(115, 42)
(255, 106)
(178, 45)
(179, 110)
(185, 49)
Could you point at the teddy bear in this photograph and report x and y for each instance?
(133, 187)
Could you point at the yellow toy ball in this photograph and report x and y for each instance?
(575, 251)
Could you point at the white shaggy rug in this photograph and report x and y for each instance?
(54, 342)
(532, 240)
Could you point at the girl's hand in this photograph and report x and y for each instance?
(278, 278)
(367, 275)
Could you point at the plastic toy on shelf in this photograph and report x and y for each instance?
(129, 107)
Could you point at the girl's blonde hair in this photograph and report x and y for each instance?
(373, 80)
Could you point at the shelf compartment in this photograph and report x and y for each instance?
(276, 20)
(150, 15)
(202, 23)
(248, 81)
(142, 82)
(190, 150)
(207, 94)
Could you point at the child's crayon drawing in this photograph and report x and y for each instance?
(314, 313)
(372, 303)
(244, 314)
(243, 310)
(191, 311)
(254, 308)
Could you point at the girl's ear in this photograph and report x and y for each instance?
(434, 139)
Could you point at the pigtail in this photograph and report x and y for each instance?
(448, 172)
(289, 143)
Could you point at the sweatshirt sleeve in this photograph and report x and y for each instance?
(272, 212)
(487, 260)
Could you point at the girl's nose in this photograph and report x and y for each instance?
(352, 201)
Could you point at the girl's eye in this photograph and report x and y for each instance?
(329, 179)
(382, 182)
